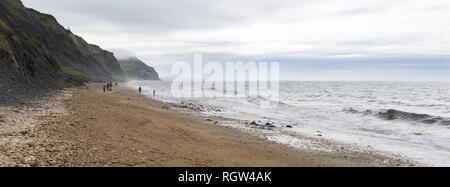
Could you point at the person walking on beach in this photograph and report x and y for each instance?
(109, 86)
(104, 88)
(140, 90)
(154, 93)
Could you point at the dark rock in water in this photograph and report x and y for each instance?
(289, 126)
(418, 134)
(254, 123)
(319, 135)
(267, 127)
(270, 125)
(209, 119)
(165, 107)
(215, 110)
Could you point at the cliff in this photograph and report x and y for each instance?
(137, 70)
(37, 53)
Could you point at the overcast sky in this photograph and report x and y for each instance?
(312, 39)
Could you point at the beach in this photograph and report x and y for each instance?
(83, 126)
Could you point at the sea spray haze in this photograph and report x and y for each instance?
(135, 69)
(232, 80)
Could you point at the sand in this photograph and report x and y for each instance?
(85, 127)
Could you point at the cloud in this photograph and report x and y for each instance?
(160, 31)
(161, 15)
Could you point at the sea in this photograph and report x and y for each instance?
(406, 118)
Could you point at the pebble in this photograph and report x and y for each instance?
(24, 132)
(22, 143)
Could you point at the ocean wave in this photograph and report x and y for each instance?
(392, 114)
(257, 101)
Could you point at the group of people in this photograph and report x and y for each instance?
(108, 86)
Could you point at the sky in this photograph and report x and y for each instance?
(312, 39)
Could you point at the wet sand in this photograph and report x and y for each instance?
(85, 127)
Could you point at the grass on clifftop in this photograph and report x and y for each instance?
(75, 74)
(42, 16)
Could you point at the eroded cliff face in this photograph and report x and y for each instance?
(137, 70)
(98, 64)
(107, 60)
(34, 47)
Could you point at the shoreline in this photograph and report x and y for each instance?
(84, 127)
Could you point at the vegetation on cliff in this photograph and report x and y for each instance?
(75, 74)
